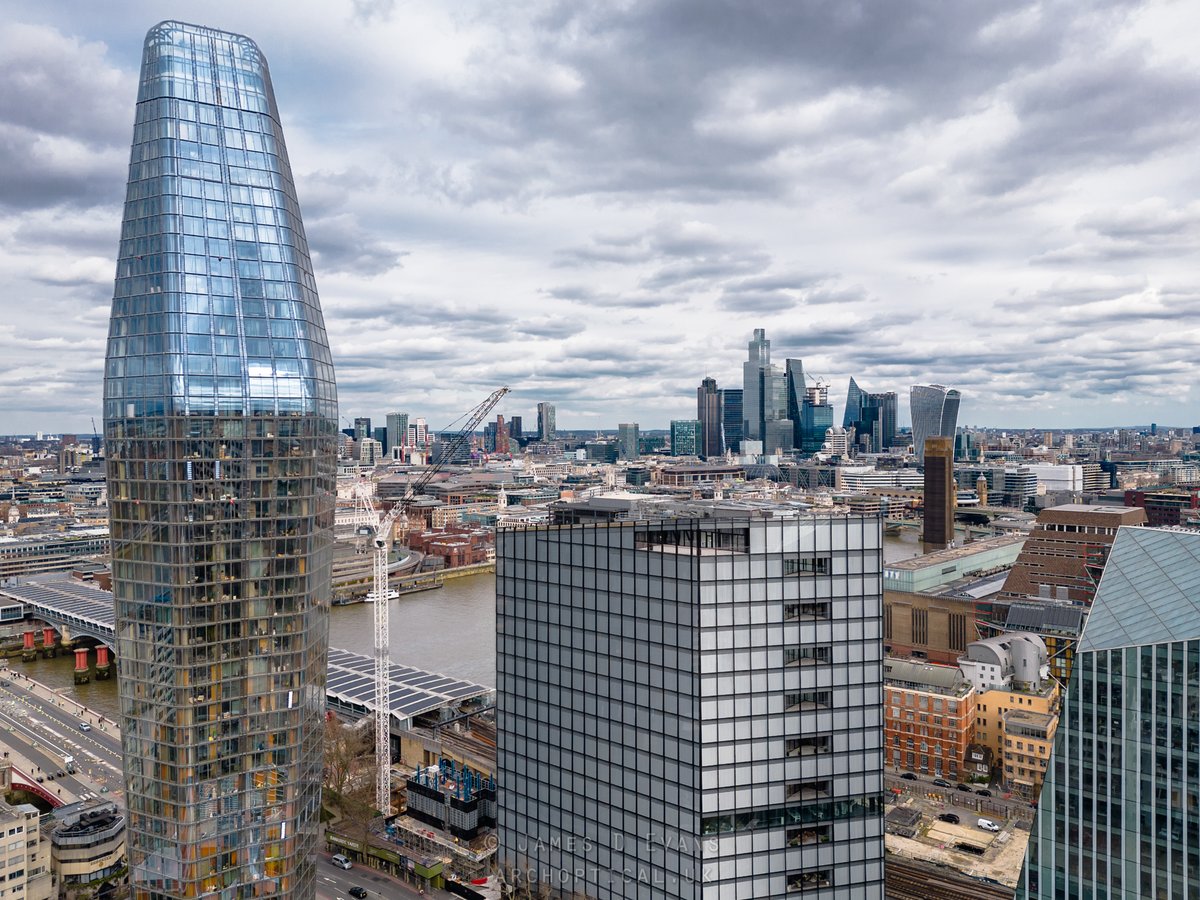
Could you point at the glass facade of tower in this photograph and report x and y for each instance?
(1119, 815)
(934, 411)
(692, 707)
(220, 421)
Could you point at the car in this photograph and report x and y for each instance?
(358, 892)
(49, 777)
(949, 817)
(984, 792)
(60, 773)
(85, 726)
(341, 861)
(940, 782)
(963, 787)
(40, 779)
(909, 776)
(988, 825)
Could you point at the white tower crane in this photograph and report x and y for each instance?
(381, 530)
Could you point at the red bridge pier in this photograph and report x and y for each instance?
(82, 670)
(103, 664)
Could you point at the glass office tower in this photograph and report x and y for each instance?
(1119, 815)
(934, 409)
(220, 421)
(691, 707)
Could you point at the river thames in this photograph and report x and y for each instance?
(451, 630)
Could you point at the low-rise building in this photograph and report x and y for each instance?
(920, 573)
(1028, 739)
(992, 706)
(1015, 660)
(25, 872)
(87, 842)
(929, 717)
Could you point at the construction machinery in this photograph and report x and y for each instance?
(381, 529)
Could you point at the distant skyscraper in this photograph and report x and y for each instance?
(708, 412)
(731, 419)
(854, 397)
(685, 437)
(764, 394)
(1118, 815)
(397, 430)
(934, 412)
(627, 440)
(872, 416)
(362, 428)
(817, 418)
(702, 769)
(220, 423)
(940, 494)
(545, 413)
(514, 428)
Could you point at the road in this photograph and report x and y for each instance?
(334, 883)
(950, 799)
(43, 728)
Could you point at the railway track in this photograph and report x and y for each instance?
(905, 880)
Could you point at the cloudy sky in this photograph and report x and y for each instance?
(596, 203)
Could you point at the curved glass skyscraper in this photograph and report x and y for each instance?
(220, 421)
(934, 410)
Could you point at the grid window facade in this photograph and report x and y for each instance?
(654, 740)
(1119, 815)
(220, 423)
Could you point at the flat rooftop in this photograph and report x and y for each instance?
(952, 554)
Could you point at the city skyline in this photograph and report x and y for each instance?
(1019, 175)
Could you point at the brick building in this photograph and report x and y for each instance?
(929, 717)
(1066, 551)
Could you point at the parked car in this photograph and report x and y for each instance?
(949, 817)
(963, 787)
(341, 861)
(984, 792)
(941, 782)
(909, 776)
(988, 825)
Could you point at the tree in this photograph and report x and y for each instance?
(345, 747)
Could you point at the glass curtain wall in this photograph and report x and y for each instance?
(220, 422)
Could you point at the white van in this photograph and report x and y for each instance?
(341, 862)
(988, 825)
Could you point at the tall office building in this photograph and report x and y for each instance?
(1119, 815)
(854, 397)
(362, 427)
(817, 418)
(764, 396)
(685, 437)
(514, 428)
(940, 494)
(934, 410)
(545, 413)
(220, 422)
(681, 726)
(708, 412)
(872, 416)
(627, 440)
(397, 430)
(731, 420)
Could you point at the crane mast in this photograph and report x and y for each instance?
(382, 545)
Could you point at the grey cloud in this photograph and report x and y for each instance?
(340, 244)
(757, 301)
(551, 327)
